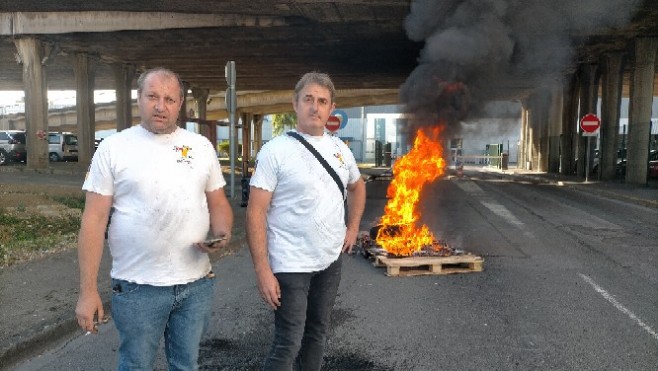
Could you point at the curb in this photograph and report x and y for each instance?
(578, 188)
(49, 170)
(40, 341)
(622, 197)
(35, 342)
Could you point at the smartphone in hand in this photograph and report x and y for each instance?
(213, 240)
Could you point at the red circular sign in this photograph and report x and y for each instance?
(333, 123)
(590, 123)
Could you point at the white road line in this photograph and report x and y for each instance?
(619, 306)
(474, 190)
(471, 188)
(503, 212)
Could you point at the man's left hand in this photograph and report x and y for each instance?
(350, 241)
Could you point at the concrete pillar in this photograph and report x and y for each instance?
(530, 148)
(86, 112)
(212, 134)
(589, 96)
(533, 144)
(542, 103)
(182, 114)
(611, 84)
(123, 77)
(30, 51)
(524, 138)
(246, 141)
(244, 120)
(569, 123)
(537, 135)
(639, 112)
(554, 128)
(201, 102)
(258, 133)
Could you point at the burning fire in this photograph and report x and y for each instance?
(398, 234)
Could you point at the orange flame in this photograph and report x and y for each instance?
(399, 234)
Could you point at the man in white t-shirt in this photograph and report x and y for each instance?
(165, 186)
(296, 227)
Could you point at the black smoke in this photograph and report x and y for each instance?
(498, 49)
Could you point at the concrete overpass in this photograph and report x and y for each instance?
(549, 58)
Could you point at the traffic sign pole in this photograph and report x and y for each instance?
(589, 145)
(229, 73)
(589, 126)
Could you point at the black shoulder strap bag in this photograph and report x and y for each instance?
(322, 161)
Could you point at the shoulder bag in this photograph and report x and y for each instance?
(322, 161)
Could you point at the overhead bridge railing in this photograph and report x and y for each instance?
(497, 161)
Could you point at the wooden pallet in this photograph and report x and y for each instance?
(429, 265)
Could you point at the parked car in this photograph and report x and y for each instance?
(62, 147)
(652, 170)
(595, 162)
(12, 146)
(653, 164)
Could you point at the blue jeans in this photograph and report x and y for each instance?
(302, 320)
(144, 313)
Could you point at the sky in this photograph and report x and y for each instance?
(8, 98)
(59, 98)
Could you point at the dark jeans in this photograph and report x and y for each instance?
(302, 320)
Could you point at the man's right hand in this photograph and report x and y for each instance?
(89, 306)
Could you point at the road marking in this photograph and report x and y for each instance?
(619, 306)
(502, 211)
(471, 188)
(474, 190)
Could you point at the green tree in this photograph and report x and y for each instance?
(282, 122)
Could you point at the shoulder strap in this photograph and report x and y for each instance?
(321, 159)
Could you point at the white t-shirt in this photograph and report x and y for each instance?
(305, 221)
(158, 183)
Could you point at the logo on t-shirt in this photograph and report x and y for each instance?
(339, 156)
(186, 156)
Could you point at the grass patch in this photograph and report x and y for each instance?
(73, 202)
(28, 235)
(23, 251)
(37, 220)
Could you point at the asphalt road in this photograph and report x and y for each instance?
(569, 283)
(69, 176)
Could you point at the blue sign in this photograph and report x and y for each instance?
(342, 117)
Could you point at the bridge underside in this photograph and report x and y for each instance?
(551, 59)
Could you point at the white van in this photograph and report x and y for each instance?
(62, 147)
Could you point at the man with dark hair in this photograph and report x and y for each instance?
(296, 227)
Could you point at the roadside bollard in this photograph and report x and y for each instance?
(244, 183)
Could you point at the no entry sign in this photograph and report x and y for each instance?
(337, 120)
(589, 124)
(333, 124)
